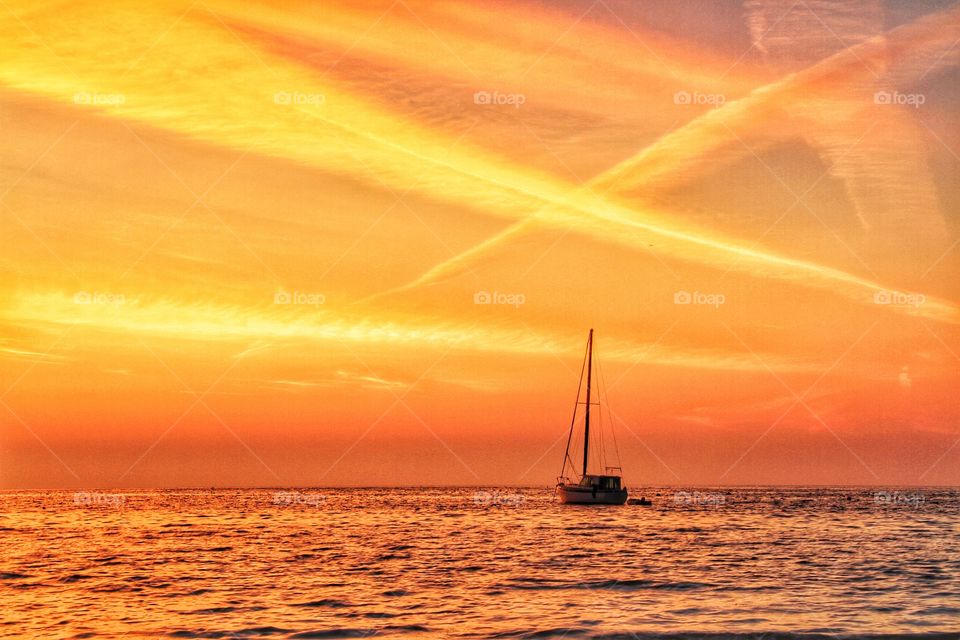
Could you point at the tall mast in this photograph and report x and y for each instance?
(586, 419)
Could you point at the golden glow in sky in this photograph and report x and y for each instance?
(362, 242)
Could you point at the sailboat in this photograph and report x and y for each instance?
(589, 488)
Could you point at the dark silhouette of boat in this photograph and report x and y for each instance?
(589, 488)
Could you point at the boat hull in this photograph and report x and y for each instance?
(575, 494)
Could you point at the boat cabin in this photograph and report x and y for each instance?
(609, 483)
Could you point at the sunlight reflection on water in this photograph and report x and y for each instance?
(483, 562)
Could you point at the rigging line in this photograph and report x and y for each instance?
(616, 445)
(573, 420)
(601, 398)
(600, 417)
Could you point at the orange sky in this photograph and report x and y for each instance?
(241, 244)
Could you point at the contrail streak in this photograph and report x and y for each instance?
(675, 151)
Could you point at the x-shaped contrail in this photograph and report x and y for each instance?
(902, 54)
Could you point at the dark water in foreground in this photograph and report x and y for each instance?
(480, 563)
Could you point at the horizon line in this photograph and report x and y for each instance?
(472, 486)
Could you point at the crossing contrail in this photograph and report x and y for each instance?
(930, 39)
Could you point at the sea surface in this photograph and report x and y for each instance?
(750, 563)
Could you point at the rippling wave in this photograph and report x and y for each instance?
(737, 564)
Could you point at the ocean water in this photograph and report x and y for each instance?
(480, 563)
